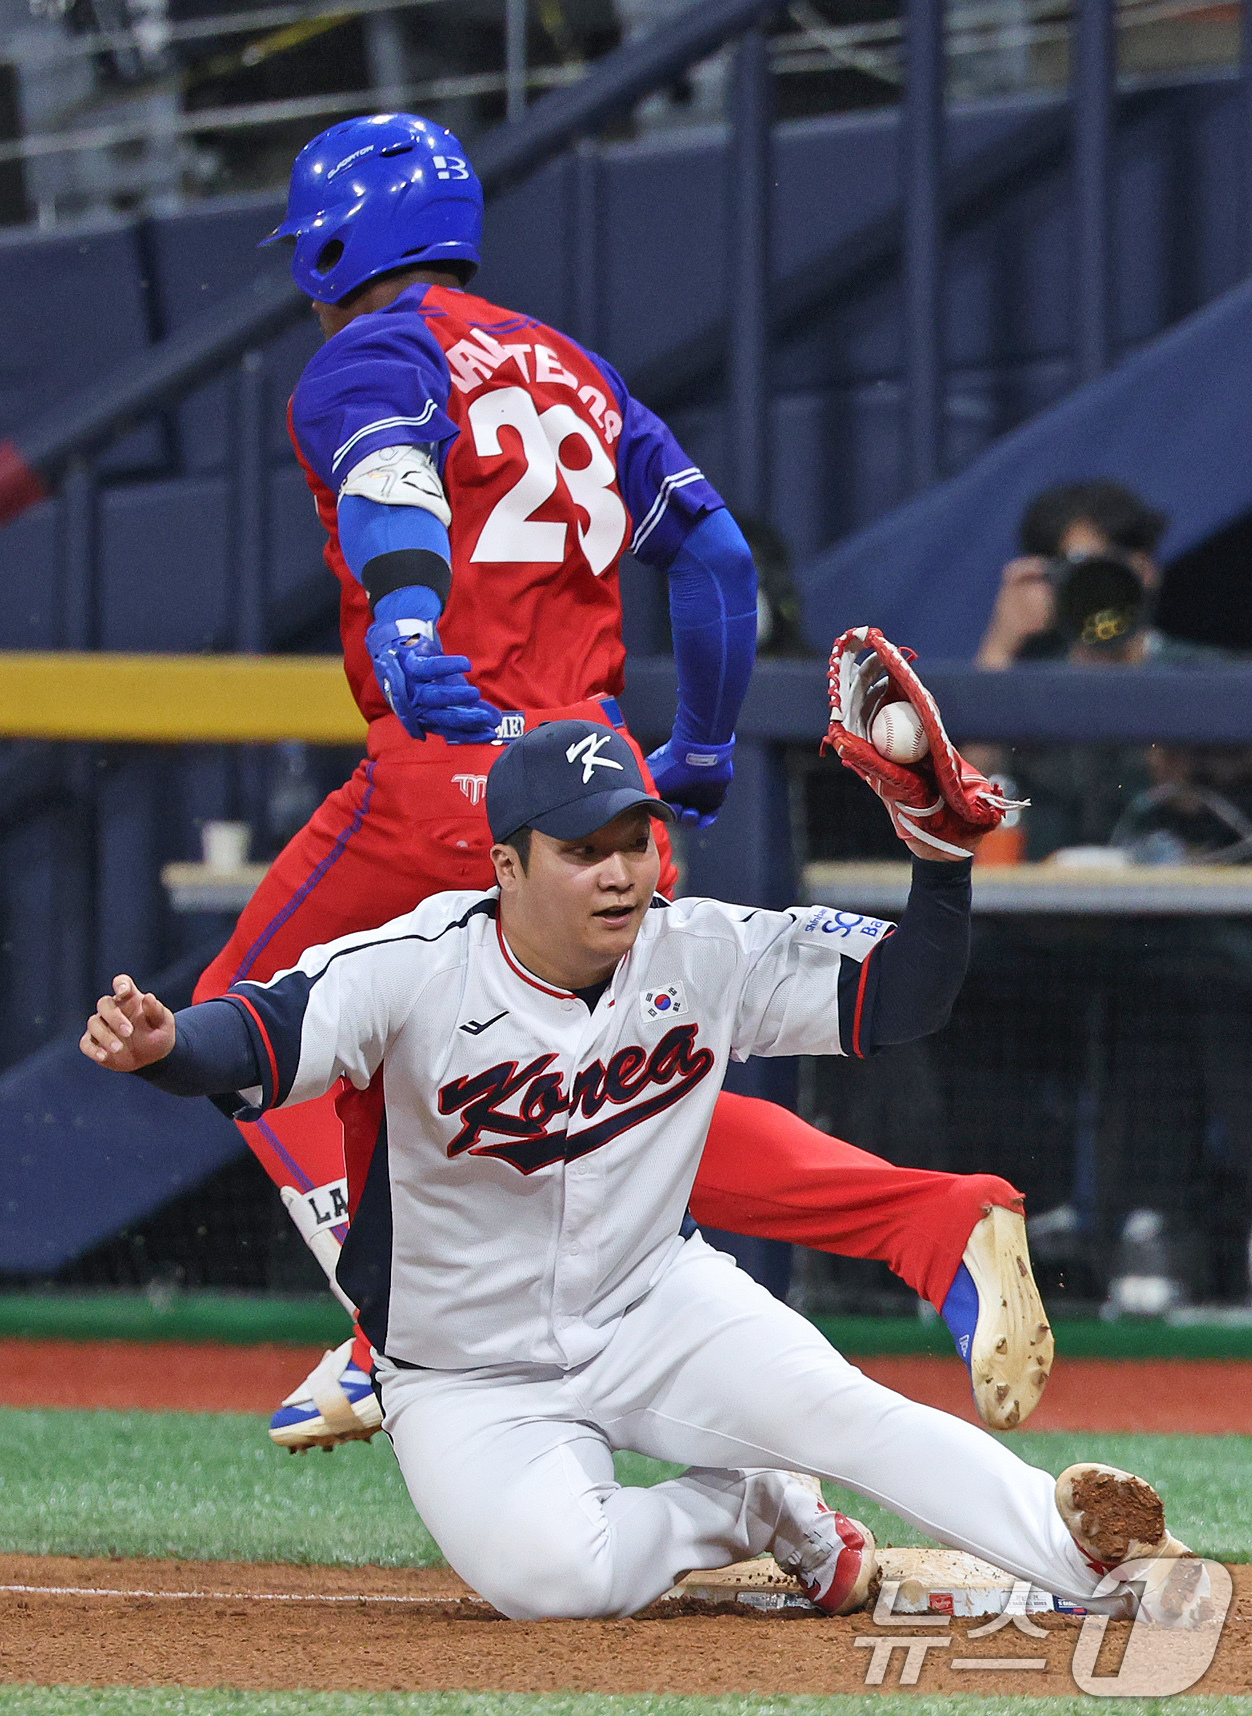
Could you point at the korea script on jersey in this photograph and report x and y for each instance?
(519, 1166)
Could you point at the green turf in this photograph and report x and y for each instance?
(185, 1701)
(210, 1486)
(205, 1485)
(243, 1318)
(1076, 1337)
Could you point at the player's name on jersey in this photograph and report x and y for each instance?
(473, 361)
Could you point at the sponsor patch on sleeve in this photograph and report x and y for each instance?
(848, 930)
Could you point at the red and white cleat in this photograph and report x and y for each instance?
(833, 1558)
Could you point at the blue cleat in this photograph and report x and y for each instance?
(998, 1322)
(335, 1403)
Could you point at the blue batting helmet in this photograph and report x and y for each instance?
(370, 195)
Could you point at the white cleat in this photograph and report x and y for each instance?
(1007, 1339)
(1115, 1517)
(335, 1403)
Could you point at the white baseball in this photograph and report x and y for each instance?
(896, 733)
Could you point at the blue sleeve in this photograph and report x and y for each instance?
(906, 988)
(712, 601)
(213, 1053)
(368, 528)
(664, 492)
(380, 382)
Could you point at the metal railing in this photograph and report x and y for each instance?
(878, 49)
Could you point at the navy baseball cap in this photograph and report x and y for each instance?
(566, 778)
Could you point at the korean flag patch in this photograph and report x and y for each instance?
(663, 1003)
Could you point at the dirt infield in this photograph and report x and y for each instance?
(1194, 1397)
(1186, 1396)
(271, 1628)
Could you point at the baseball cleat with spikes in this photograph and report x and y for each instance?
(335, 1403)
(998, 1322)
(1115, 1517)
(832, 1557)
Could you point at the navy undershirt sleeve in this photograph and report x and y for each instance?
(908, 985)
(213, 1053)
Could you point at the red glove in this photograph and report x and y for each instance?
(939, 800)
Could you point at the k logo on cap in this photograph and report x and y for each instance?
(566, 779)
(589, 749)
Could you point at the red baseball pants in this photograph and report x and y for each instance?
(411, 822)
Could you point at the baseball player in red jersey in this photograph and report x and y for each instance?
(479, 476)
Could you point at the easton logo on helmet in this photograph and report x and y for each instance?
(348, 160)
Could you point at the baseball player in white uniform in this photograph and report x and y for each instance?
(532, 1070)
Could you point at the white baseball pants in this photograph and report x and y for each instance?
(511, 1466)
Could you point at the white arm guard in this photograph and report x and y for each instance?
(399, 476)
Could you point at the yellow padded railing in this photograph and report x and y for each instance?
(176, 699)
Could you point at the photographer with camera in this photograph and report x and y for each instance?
(1123, 1091)
(1082, 591)
(1082, 585)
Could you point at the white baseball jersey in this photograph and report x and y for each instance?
(519, 1165)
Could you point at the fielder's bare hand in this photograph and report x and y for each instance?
(128, 1029)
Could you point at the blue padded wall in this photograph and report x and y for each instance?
(1170, 422)
(85, 1153)
(80, 301)
(165, 566)
(199, 258)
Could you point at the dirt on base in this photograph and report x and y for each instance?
(254, 1627)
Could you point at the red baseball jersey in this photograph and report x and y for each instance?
(550, 468)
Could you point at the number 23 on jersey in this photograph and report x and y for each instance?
(511, 532)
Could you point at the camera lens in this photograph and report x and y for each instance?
(1100, 602)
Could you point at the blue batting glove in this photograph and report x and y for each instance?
(693, 779)
(427, 690)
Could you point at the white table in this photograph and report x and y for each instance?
(1133, 891)
(200, 888)
(1136, 890)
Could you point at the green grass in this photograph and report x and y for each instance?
(210, 1486)
(1076, 1337)
(240, 1319)
(315, 1319)
(182, 1701)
